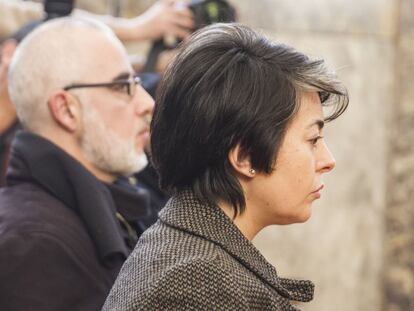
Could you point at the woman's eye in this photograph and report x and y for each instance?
(315, 140)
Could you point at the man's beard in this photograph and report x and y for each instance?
(106, 151)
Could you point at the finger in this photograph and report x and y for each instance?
(184, 22)
(184, 12)
(169, 2)
(183, 3)
(179, 32)
(3, 73)
(165, 59)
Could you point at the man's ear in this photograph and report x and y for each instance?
(241, 162)
(65, 110)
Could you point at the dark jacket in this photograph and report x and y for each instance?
(195, 258)
(148, 180)
(61, 244)
(5, 143)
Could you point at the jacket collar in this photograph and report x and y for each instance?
(184, 211)
(37, 160)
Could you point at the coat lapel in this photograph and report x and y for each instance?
(185, 212)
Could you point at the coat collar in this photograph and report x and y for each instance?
(37, 160)
(184, 211)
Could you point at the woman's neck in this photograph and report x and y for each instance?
(246, 222)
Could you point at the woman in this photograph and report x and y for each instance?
(237, 138)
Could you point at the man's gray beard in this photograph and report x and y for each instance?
(106, 151)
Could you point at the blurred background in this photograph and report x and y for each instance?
(358, 246)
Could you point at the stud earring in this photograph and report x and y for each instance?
(252, 171)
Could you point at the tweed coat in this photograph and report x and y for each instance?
(195, 258)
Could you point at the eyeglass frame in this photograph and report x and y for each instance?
(131, 83)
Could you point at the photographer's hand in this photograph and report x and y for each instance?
(166, 17)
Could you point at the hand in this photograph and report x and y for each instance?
(167, 18)
(137, 61)
(164, 59)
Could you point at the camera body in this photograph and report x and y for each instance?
(207, 12)
(58, 8)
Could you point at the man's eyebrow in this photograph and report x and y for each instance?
(320, 123)
(122, 76)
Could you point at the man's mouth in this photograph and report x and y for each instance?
(144, 131)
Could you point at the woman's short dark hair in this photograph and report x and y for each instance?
(230, 86)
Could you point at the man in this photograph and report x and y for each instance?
(165, 17)
(65, 227)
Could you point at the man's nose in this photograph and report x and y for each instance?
(143, 101)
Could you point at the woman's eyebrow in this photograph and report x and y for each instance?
(319, 122)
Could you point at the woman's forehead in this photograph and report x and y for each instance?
(310, 112)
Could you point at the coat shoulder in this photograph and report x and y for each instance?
(45, 243)
(27, 208)
(199, 283)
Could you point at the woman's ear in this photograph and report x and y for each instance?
(241, 162)
(65, 110)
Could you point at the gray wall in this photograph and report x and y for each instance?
(399, 240)
(341, 248)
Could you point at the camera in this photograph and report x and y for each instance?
(206, 12)
(58, 8)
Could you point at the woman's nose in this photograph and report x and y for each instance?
(326, 162)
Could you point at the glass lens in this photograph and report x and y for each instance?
(133, 82)
(131, 87)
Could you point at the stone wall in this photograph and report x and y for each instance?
(399, 242)
(341, 248)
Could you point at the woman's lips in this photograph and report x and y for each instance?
(317, 192)
(319, 188)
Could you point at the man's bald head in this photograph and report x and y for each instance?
(58, 53)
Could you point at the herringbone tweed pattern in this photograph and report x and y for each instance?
(195, 258)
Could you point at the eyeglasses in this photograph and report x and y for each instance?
(121, 85)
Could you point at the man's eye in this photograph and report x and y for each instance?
(120, 87)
